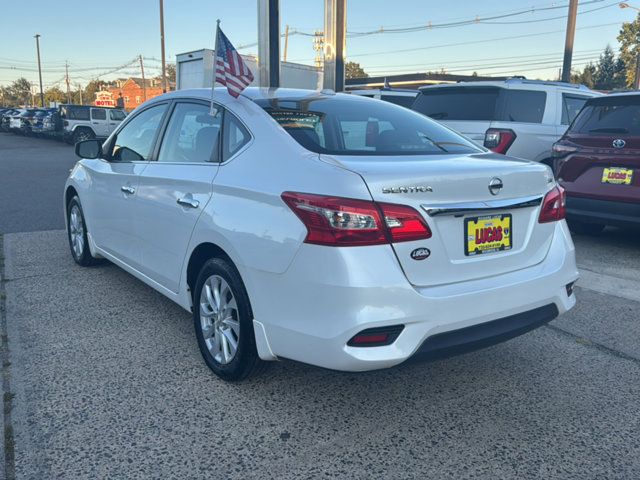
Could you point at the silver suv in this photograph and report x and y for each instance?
(84, 122)
(523, 118)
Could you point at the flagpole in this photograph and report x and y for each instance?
(215, 67)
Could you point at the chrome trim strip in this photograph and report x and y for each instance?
(459, 209)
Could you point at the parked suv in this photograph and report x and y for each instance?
(598, 163)
(400, 96)
(517, 116)
(83, 122)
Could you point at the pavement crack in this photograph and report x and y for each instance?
(7, 397)
(590, 343)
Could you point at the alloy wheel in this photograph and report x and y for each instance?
(76, 231)
(219, 319)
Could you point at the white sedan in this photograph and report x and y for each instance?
(331, 229)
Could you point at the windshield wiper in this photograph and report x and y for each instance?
(609, 130)
(438, 115)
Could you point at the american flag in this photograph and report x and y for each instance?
(230, 69)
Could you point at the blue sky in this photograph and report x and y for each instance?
(96, 36)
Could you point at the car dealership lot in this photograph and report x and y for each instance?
(108, 382)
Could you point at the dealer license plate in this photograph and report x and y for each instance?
(487, 234)
(617, 175)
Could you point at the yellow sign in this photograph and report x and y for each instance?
(617, 175)
(488, 234)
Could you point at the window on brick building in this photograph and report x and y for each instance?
(138, 99)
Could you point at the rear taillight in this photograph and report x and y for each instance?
(499, 139)
(553, 206)
(559, 150)
(347, 222)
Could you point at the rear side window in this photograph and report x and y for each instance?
(402, 100)
(525, 106)
(75, 113)
(354, 126)
(192, 135)
(234, 138)
(98, 114)
(481, 104)
(458, 103)
(571, 105)
(613, 115)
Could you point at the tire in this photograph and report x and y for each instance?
(77, 234)
(581, 228)
(82, 134)
(232, 323)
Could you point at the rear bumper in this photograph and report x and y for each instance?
(604, 212)
(484, 335)
(328, 295)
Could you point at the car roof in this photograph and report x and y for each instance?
(252, 93)
(513, 83)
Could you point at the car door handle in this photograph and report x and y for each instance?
(129, 190)
(188, 202)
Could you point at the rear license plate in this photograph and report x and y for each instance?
(487, 234)
(617, 175)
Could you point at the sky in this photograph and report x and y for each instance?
(99, 37)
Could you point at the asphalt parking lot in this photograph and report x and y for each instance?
(103, 378)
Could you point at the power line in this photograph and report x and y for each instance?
(488, 40)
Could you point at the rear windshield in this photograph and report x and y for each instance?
(343, 125)
(613, 115)
(482, 103)
(402, 100)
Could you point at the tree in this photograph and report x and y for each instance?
(171, 73)
(587, 77)
(17, 93)
(354, 70)
(89, 94)
(629, 39)
(54, 94)
(606, 71)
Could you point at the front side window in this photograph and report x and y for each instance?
(355, 126)
(98, 114)
(135, 141)
(235, 137)
(192, 135)
(571, 106)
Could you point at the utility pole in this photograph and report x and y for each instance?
(568, 44)
(286, 42)
(80, 91)
(636, 77)
(37, 37)
(164, 65)
(144, 82)
(66, 69)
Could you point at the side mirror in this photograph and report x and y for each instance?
(89, 149)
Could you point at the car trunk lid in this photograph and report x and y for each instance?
(451, 190)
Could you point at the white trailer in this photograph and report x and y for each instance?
(195, 70)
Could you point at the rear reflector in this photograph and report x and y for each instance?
(499, 139)
(376, 337)
(344, 222)
(553, 206)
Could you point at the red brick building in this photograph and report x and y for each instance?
(133, 92)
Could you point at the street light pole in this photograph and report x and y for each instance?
(568, 45)
(164, 64)
(37, 37)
